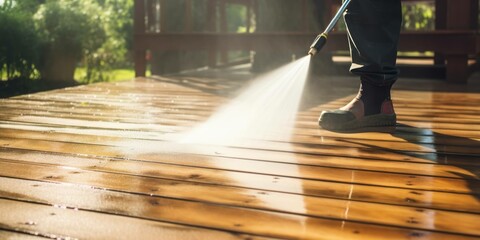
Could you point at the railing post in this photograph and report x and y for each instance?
(305, 16)
(440, 24)
(188, 16)
(458, 18)
(249, 15)
(223, 28)
(163, 15)
(139, 30)
(212, 27)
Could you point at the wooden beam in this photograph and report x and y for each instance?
(440, 24)
(304, 16)
(140, 62)
(458, 18)
(249, 6)
(458, 14)
(474, 13)
(139, 28)
(163, 15)
(139, 17)
(188, 16)
(212, 27)
(211, 16)
(449, 42)
(223, 29)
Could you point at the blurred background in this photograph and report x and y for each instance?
(56, 43)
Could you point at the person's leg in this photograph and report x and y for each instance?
(373, 30)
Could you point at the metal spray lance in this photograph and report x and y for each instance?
(321, 39)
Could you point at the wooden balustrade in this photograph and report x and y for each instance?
(454, 40)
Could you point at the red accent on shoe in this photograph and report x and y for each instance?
(387, 107)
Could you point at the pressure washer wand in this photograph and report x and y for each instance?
(321, 39)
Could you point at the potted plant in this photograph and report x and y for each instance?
(68, 30)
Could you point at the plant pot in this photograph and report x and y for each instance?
(59, 67)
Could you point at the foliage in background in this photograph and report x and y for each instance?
(18, 43)
(237, 18)
(71, 26)
(116, 17)
(418, 16)
(69, 30)
(97, 32)
(106, 28)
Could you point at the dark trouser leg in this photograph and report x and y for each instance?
(373, 31)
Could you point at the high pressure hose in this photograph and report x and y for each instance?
(321, 39)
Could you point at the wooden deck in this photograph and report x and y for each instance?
(98, 162)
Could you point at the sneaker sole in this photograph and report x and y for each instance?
(378, 120)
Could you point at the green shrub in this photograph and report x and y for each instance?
(73, 26)
(68, 30)
(418, 16)
(18, 43)
(117, 20)
(50, 38)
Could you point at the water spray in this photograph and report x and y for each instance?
(321, 39)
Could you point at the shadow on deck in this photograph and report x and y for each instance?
(100, 161)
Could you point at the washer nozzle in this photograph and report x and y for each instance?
(318, 44)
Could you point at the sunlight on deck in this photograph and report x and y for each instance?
(106, 161)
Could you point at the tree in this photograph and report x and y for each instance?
(18, 42)
(68, 30)
(418, 16)
(117, 20)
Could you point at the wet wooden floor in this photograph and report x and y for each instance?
(99, 162)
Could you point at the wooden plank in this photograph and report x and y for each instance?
(400, 102)
(446, 125)
(400, 98)
(14, 235)
(450, 144)
(196, 113)
(173, 118)
(258, 154)
(276, 156)
(154, 149)
(356, 148)
(117, 139)
(65, 222)
(173, 194)
(205, 109)
(444, 121)
(454, 168)
(374, 194)
(308, 124)
(170, 83)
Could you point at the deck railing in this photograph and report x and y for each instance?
(455, 38)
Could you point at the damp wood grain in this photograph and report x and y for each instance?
(108, 153)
